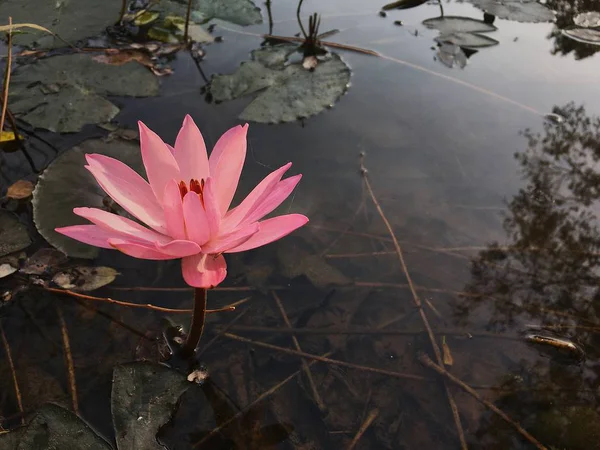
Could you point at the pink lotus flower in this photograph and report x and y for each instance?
(186, 203)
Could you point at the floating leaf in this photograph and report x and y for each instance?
(13, 233)
(144, 397)
(54, 427)
(584, 35)
(63, 93)
(519, 10)
(82, 278)
(447, 354)
(54, 197)
(146, 18)
(240, 12)
(162, 35)
(403, 4)
(285, 92)
(9, 136)
(198, 34)
(467, 40)
(590, 19)
(72, 20)
(7, 269)
(42, 261)
(450, 54)
(456, 24)
(20, 190)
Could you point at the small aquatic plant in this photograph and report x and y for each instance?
(185, 206)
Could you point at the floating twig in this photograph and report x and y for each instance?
(366, 424)
(417, 301)
(68, 360)
(426, 360)
(14, 374)
(311, 381)
(335, 362)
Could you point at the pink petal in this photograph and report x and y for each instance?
(273, 199)
(236, 238)
(204, 271)
(173, 210)
(271, 230)
(258, 194)
(226, 162)
(178, 248)
(127, 188)
(196, 222)
(211, 206)
(119, 226)
(160, 163)
(190, 152)
(88, 234)
(137, 250)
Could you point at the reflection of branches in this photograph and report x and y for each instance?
(565, 11)
(554, 258)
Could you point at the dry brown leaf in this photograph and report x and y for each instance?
(20, 190)
(447, 355)
(124, 56)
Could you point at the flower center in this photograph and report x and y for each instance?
(194, 186)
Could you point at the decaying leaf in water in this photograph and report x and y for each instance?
(590, 19)
(9, 136)
(7, 269)
(82, 278)
(146, 18)
(467, 40)
(144, 397)
(13, 233)
(447, 354)
(43, 261)
(403, 4)
(457, 24)
(20, 190)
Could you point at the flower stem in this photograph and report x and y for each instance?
(197, 325)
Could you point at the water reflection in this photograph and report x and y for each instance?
(548, 276)
(566, 10)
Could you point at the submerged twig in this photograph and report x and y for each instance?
(426, 360)
(335, 362)
(6, 83)
(13, 372)
(366, 424)
(68, 360)
(221, 331)
(311, 381)
(418, 304)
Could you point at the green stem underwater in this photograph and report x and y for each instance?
(197, 325)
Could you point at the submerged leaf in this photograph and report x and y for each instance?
(13, 233)
(518, 10)
(82, 278)
(144, 397)
(54, 197)
(584, 35)
(590, 19)
(54, 427)
(286, 92)
(63, 93)
(456, 24)
(467, 40)
(20, 190)
(72, 20)
(42, 261)
(240, 12)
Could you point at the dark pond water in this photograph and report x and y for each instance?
(497, 225)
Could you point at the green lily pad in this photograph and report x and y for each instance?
(518, 10)
(590, 19)
(240, 12)
(54, 427)
(55, 197)
(64, 93)
(457, 24)
(467, 40)
(72, 20)
(285, 92)
(144, 396)
(13, 233)
(83, 278)
(584, 35)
